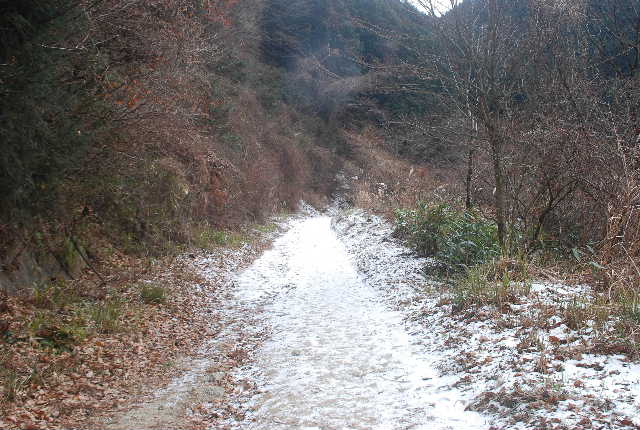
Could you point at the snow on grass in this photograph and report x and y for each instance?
(525, 366)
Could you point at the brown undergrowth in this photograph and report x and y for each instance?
(196, 135)
(383, 183)
(76, 350)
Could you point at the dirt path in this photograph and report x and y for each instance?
(338, 357)
(335, 356)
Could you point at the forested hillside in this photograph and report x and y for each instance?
(502, 137)
(146, 123)
(528, 105)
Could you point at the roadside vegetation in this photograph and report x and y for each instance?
(142, 127)
(457, 239)
(534, 179)
(464, 248)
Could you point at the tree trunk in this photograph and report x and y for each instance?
(496, 152)
(469, 176)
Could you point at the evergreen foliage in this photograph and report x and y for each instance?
(67, 75)
(47, 108)
(347, 56)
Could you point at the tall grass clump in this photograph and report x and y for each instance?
(105, 316)
(457, 239)
(153, 294)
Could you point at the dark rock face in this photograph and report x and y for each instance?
(22, 268)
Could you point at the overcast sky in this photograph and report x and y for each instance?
(441, 6)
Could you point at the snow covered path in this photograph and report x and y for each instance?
(338, 357)
(339, 326)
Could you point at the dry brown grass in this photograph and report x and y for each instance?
(623, 227)
(385, 183)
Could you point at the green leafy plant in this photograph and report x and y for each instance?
(496, 283)
(207, 237)
(58, 331)
(457, 239)
(266, 228)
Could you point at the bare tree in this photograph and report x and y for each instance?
(481, 52)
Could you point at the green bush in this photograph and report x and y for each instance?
(457, 239)
(57, 331)
(49, 109)
(207, 237)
